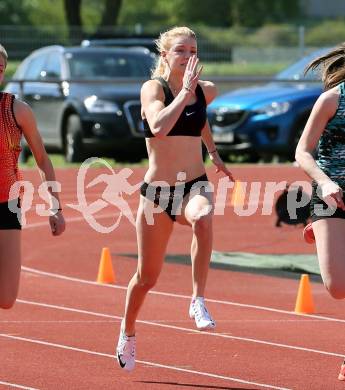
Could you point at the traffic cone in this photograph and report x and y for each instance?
(238, 194)
(105, 271)
(304, 301)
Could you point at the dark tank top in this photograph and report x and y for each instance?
(192, 119)
(331, 154)
(10, 136)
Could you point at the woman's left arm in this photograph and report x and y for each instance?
(210, 93)
(26, 120)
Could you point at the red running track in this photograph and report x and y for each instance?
(62, 332)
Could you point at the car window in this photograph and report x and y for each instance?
(108, 65)
(35, 67)
(53, 67)
(296, 70)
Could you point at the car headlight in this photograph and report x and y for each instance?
(95, 105)
(274, 108)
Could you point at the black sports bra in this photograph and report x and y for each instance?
(192, 119)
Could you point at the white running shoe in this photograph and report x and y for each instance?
(125, 351)
(202, 317)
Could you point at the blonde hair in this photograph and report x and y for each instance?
(3, 54)
(163, 43)
(333, 66)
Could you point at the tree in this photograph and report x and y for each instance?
(111, 12)
(13, 13)
(254, 13)
(73, 14)
(206, 12)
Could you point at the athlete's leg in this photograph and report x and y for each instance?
(330, 244)
(10, 263)
(197, 211)
(152, 242)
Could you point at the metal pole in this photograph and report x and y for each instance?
(301, 40)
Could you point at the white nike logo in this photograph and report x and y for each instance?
(189, 113)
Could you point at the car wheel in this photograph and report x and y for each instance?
(74, 140)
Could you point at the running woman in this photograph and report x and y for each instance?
(326, 128)
(174, 105)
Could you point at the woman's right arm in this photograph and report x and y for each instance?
(323, 110)
(26, 120)
(161, 119)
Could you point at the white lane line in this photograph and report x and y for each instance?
(80, 218)
(188, 330)
(62, 346)
(232, 321)
(49, 322)
(71, 219)
(171, 295)
(17, 386)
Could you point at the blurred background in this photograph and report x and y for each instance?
(249, 33)
(241, 43)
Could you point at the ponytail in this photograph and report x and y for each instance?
(333, 66)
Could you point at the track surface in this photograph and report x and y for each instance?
(62, 332)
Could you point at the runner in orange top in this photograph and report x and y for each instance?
(17, 119)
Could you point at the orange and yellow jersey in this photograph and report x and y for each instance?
(10, 136)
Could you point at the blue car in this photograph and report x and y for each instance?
(266, 121)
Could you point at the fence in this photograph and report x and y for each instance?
(21, 40)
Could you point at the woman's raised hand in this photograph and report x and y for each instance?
(192, 74)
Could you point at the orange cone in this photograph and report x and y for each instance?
(238, 194)
(105, 270)
(304, 301)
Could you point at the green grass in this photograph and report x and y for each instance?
(11, 68)
(58, 161)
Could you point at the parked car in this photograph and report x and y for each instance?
(86, 99)
(264, 121)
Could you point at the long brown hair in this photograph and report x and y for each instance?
(333, 66)
(163, 43)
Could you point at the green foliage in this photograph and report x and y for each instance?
(14, 12)
(142, 12)
(234, 36)
(202, 12)
(11, 68)
(326, 33)
(220, 25)
(274, 35)
(253, 13)
(91, 12)
(219, 44)
(46, 13)
(221, 13)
